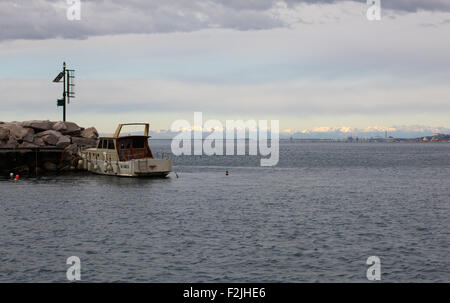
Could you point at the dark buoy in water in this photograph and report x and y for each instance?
(226, 173)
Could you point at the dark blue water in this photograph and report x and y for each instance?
(317, 216)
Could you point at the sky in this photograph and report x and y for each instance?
(311, 65)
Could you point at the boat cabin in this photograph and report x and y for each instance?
(122, 148)
(127, 147)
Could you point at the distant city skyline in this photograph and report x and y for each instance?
(313, 65)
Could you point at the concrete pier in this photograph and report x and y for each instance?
(33, 161)
(35, 146)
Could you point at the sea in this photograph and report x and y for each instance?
(315, 217)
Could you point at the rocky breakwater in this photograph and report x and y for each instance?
(55, 145)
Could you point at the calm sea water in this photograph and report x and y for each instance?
(316, 217)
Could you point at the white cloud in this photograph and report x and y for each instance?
(332, 68)
(302, 99)
(44, 19)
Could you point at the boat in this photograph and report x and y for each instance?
(125, 156)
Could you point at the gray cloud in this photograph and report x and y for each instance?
(416, 5)
(44, 19)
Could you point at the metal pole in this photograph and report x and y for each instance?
(64, 91)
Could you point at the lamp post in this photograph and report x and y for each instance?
(67, 76)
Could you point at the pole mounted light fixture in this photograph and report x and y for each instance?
(67, 76)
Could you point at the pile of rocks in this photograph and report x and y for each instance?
(47, 134)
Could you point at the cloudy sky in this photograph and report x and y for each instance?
(309, 64)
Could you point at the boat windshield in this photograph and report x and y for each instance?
(134, 148)
(139, 143)
(106, 144)
(134, 143)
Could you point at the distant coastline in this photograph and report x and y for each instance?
(350, 139)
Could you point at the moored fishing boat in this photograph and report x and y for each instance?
(126, 156)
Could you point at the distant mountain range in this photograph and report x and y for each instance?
(341, 132)
(368, 132)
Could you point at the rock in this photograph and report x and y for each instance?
(38, 124)
(49, 132)
(71, 150)
(71, 153)
(85, 142)
(4, 134)
(11, 143)
(89, 133)
(50, 139)
(29, 137)
(63, 142)
(60, 126)
(50, 166)
(67, 128)
(15, 130)
(38, 141)
(19, 132)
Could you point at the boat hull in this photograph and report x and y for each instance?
(147, 167)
